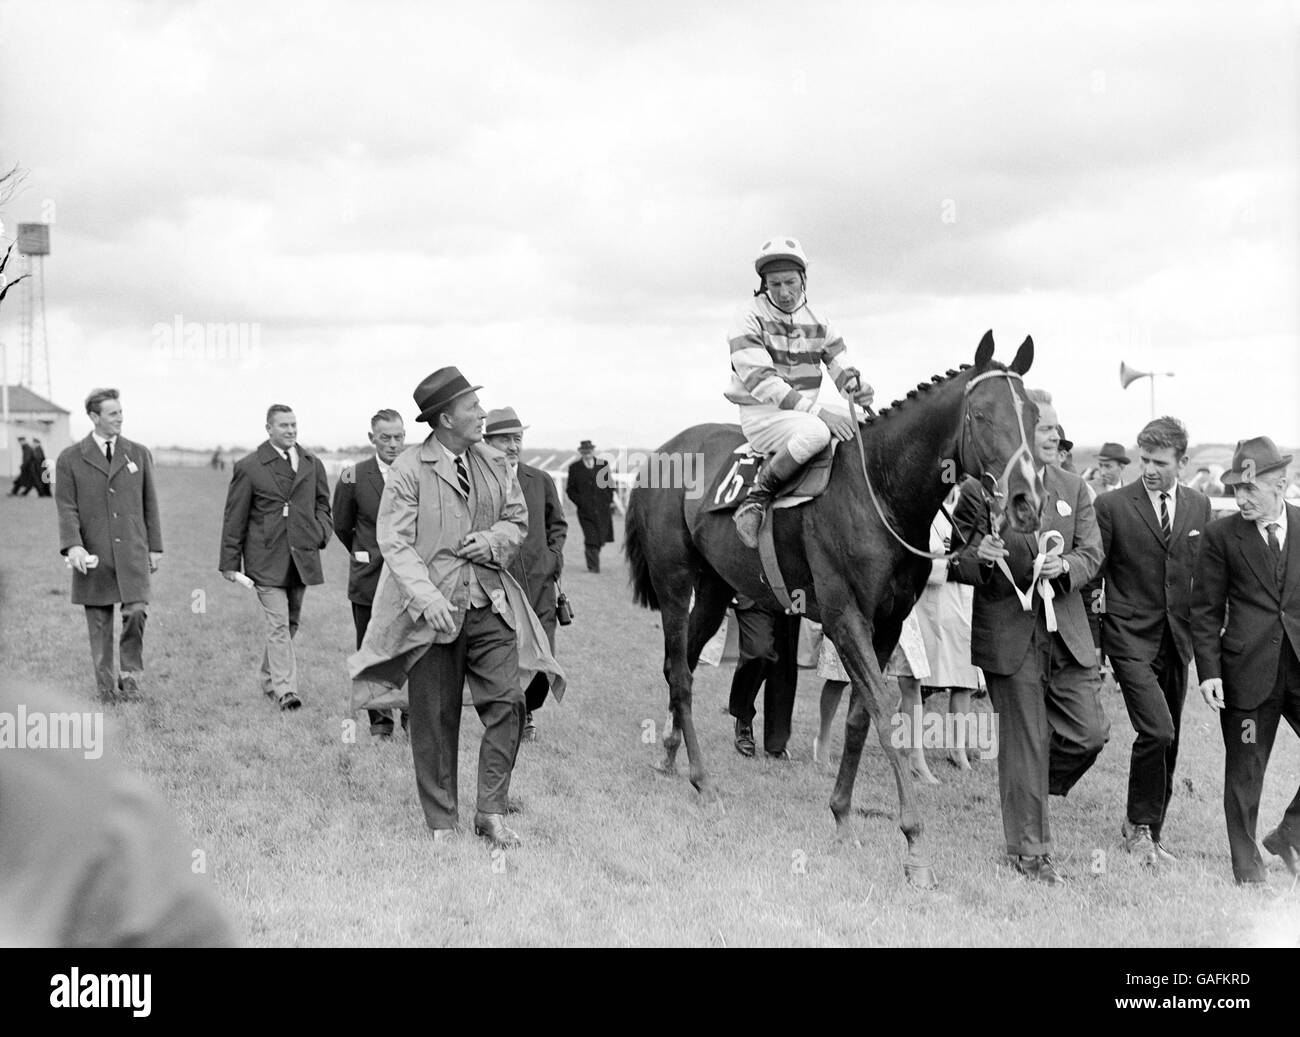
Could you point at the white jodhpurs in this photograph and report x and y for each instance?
(768, 428)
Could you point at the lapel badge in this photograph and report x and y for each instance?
(1062, 509)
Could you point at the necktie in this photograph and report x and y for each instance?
(1279, 570)
(1165, 528)
(108, 451)
(462, 474)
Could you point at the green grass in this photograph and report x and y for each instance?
(311, 841)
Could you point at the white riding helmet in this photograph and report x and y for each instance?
(781, 248)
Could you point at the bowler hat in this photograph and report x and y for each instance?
(1113, 452)
(586, 444)
(1254, 457)
(438, 390)
(502, 421)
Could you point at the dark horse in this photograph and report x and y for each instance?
(847, 567)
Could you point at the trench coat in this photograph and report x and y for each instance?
(112, 513)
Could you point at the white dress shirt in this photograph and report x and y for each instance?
(1281, 527)
(290, 455)
(1171, 503)
(101, 442)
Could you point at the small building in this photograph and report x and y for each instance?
(23, 413)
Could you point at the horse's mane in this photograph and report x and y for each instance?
(921, 387)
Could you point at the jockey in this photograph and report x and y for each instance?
(777, 347)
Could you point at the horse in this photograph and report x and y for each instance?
(848, 553)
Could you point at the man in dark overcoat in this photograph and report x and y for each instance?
(1246, 632)
(277, 523)
(540, 559)
(356, 506)
(590, 485)
(111, 534)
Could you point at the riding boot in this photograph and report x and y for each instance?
(777, 470)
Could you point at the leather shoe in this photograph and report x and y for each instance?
(1274, 843)
(128, 686)
(781, 754)
(1139, 842)
(289, 701)
(445, 835)
(494, 828)
(1040, 868)
(744, 737)
(1163, 853)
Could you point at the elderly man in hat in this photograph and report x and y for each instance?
(540, 559)
(1151, 531)
(1246, 631)
(590, 485)
(1111, 461)
(451, 520)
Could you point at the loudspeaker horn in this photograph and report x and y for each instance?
(1129, 375)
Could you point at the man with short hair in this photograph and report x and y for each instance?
(1037, 656)
(1150, 536)
(1246, 631)
(590, 485)
(110, 531)
(540, 560)
(356, 509)
(277, 523)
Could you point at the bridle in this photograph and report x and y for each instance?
(993, 492)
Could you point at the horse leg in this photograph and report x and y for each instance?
(869, 696)
(712, 596)
(674, 622)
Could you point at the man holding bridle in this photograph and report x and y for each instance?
(777, 348)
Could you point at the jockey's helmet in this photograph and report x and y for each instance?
(779, 254)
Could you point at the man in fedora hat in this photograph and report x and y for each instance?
(356, 510)
(539, 561)
(1151, 532)
(451, 520)
(590, 486)
(1111, 461)
(1249, 579)
(277, 522)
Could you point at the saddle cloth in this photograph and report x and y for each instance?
(732, 484)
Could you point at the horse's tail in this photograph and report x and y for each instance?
(643, 591)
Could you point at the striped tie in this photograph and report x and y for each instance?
(462, 474)
(1165, 528)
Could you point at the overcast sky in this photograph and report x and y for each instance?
(565, 199)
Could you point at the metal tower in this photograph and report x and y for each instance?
(33, 343)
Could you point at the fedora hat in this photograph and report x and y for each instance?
(1254, 457)
(586, 444)
(1063, 443)
(1113, 452)
(502, 421)
(438, 390)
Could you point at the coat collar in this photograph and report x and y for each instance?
(123, 451)
(267, 454)
(1257, 556)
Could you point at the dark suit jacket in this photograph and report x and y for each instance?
(1145, 583)
(112, 513)
(356, 506)
(1234, 585)
(256, 528)
(1000, 628)
(592, 493)
(541, 557)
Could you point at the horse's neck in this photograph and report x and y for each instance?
(912, 455)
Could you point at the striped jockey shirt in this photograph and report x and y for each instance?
(776, 357)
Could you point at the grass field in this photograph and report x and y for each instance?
(312, 841)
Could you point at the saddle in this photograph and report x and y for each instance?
(732, 484)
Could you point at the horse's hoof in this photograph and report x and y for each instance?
(845, 836)
(664, 769)
(921, 876)
(709, 795)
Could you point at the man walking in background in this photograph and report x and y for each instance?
(277, 522)
(540, 559)
(591, 488)
(356, 507)
(1150, 534)
(22, 481)
(110, 531)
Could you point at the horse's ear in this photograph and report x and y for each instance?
(1024, 356)
(985, 351)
